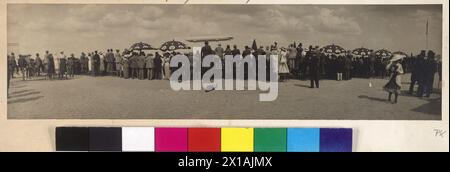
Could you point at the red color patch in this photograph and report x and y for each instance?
(204, 139)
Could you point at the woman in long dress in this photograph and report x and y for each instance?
(394, 84)
(102, 64)
(125, 67)
(167, 67)
(90, 64)
(283, 68)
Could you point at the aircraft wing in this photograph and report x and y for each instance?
(210, 39)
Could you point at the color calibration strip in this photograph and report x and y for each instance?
(137, 139)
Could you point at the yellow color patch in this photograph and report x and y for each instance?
(237, 139)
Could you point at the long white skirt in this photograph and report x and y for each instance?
(283, 68)
(166, 71)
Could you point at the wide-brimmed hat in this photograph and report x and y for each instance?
(397, 57)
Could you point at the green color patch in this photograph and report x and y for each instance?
(270, 140)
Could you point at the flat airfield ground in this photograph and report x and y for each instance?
(87, 97)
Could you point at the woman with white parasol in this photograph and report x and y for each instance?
(396, 69)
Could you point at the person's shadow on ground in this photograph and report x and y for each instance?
(432, 107)
(22, 96)
(22, 100)
(302, 85)
(373, 98)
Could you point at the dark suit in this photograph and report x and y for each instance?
(206, 50)
(141, 66)
(314, 69)
(96, 62)
(429, 69)
(157, 62)
(134, 66)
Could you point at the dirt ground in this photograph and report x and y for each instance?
(86, 97)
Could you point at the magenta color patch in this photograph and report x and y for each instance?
(171, 139)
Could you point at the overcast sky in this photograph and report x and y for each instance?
(76, 28)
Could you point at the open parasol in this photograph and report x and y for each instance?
(333, 49)
(141, 46)
(401, 53)
(173, 45)
(360, 52)
(383, 53)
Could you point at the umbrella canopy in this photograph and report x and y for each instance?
(360, 52)
(401, 53)
(141, 46)
(383, 53)
(254, 46)
(333, 49)
(173, 45)
(396, 57)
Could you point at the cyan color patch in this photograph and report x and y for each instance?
(303, 139)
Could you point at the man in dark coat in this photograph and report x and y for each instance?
(30, 67)
(38, 65)
(50, 65)
(140, 60)
(206, 50)
(157, 62)
(354, 71)
(22, 63)
(246, 53)
(429, 70)
(348, 66)
(298, 59)
(323, 59)
(371, 64)
(134, 65)
(416, 71)
(109, 56)
(62, 66)
(83, 66)
(235, 51)
(340, 67)
(12, 64)
(96, 62)
(71, 65)
(314, 67)
(8, 72)
(304, 63)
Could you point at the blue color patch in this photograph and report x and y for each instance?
(336, 140)
(303, 139)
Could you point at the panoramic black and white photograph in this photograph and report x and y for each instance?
(315, 62)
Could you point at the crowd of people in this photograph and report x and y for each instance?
(295, 62)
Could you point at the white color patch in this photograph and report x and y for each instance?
(138, 139)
